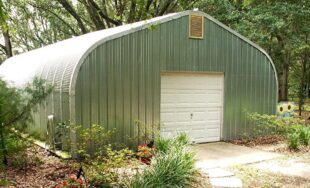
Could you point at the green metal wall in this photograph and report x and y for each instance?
(119, 82)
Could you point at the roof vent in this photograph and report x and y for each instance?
(196, 26)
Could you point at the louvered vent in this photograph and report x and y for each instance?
(196, 26)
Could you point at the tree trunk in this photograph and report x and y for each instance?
(283, 93)
(7, 43)
(3, 146)
(309, 89)
(66, 5)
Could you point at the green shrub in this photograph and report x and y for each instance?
(293, 128)
(163, 145)
(173, 167)
(100, 156)
(182, 139)
(263, 124)
(304, 135)
(293, 140)
(92, 142)
(16, 148)
(102, 171)
(4, 182)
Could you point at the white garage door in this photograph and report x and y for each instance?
(192, 103)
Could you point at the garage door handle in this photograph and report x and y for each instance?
(192, 115)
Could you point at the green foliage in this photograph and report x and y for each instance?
(297, 135)
(304, 135)
(103, 171)
(293, 140)
(169, 168)
(4, 182)
(100, 156)
(16, 106)
(92, 141)
(182, 139)
(163, 144)
(281, 28)
(16, 148)
(294, 129)
(37, 23)
(263, 124)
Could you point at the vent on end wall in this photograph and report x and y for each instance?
(196, 26)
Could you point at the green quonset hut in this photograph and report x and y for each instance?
(185, 70)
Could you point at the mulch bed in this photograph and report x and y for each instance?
(42, 170)
(263, 140)
(274, 143)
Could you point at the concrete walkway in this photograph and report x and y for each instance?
(214, 157)
(221, 154)
(288, 167)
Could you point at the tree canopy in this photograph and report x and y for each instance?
(278, 26)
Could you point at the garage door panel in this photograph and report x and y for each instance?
(213, 133)
(199, 116)
(214, 98)
(192, 104)
(214, 115)
(176, 117)
(197, 135)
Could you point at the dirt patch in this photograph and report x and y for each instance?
(42, 170)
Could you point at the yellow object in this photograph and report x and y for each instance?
(285, 109)
(290, 107)
(280, 109)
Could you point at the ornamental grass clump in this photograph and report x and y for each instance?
(304, 135)
(293, 140)
(174, 167)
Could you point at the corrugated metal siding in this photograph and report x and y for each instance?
(119, 82)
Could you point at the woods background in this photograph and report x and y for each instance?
(281, 27)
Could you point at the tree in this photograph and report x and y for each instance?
(6, 48)
(280, 27)
(36, 23)
(16, 106)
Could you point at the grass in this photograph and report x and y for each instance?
(173, 166)
(252, 177)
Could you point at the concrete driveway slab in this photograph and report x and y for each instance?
(222, 154)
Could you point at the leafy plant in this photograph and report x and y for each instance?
(100, 156)
(263, 124)
(92, 142)
(172, 168)
(103, 171)
(4, 182)
(145, 153)
(293, 140)
(163, 144)
(182, 139)
(16, 148)
(71, 182)
(16, 106)
(304, 135)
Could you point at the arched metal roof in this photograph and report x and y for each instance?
(59, 63)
